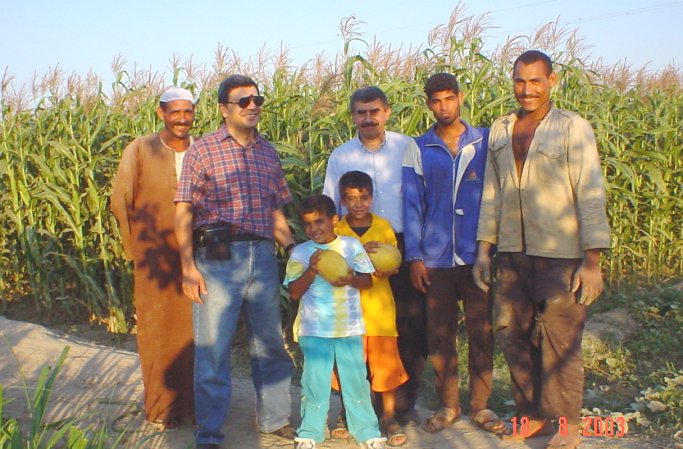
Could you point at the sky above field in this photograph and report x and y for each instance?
(80, 35)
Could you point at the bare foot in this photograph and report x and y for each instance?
(565, 440)
(537, 427)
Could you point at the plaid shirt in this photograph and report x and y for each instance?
(227, 182)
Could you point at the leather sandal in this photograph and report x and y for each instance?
(444, 417)
(394, 433)
(341, 430)
(487, 420)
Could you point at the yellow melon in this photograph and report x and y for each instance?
(386, 258)
(331, 265)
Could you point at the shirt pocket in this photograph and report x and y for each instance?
(497, 146)
(496, 151)
(552, 151)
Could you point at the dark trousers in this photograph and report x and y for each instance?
(448, 286)
(411, 323)
(539, 327)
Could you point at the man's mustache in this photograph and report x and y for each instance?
(368, 123)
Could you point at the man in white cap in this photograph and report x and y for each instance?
(142, 201)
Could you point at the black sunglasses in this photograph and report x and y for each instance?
(244, 101)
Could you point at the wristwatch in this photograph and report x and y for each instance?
(289, 248)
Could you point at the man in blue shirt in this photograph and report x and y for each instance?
(442, 185)
(379, 153)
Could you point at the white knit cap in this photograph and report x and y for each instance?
(176, 93)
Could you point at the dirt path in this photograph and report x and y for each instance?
(102, 385)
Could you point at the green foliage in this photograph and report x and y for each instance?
(59, 244)
(641, 377)
(37, 433)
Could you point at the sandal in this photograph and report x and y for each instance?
(444, 417)
(165, 424)
(488, 421)
(341, 430)
(394, 433)
(564, 441)
(545, 429)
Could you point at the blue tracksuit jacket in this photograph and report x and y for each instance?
(441, 198)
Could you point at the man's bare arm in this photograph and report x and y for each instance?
(419, 276)
(281, 232)
(482, 267)
(588, 278)
(193, 281)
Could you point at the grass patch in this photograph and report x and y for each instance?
(641, 376)
(35, 432)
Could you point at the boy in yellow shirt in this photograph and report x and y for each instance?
(379, 311)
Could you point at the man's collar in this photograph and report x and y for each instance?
(516, 112)
(471, 134)
(224, 133)
(384, 141)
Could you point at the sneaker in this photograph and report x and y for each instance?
(373, 443)
(304, 443)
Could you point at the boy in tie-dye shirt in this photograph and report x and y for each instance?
(330, 327)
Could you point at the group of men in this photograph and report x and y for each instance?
(522, 204)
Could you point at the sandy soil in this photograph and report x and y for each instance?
(101, 385)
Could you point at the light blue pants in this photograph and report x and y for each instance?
(320, 355)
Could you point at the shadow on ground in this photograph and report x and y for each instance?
(102, 386)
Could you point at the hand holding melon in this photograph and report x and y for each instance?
(331, 266)
(385, 258)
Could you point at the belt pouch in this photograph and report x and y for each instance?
(217, 243)
(218, 251)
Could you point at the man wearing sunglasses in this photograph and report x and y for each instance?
(228, 215)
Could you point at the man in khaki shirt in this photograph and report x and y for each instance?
(543, 206)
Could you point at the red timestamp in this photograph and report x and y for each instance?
(597, 426)
(591, 426)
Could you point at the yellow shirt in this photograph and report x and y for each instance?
(379, 310)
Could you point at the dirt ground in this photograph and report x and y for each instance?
(102, 386)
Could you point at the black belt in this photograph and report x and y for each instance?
(245, 237)
(219, 233)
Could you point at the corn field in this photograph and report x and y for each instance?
(59, 149)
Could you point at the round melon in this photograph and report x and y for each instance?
(332, 266)
(386, 258)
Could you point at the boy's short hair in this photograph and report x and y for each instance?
(355, 179)
(322, 204)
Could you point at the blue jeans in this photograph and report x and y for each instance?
(250, 279)
(320, 355)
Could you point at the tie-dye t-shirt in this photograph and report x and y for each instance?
(327, 311)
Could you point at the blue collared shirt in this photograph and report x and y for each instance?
(384, 166)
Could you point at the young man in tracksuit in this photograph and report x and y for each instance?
(442, 185)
